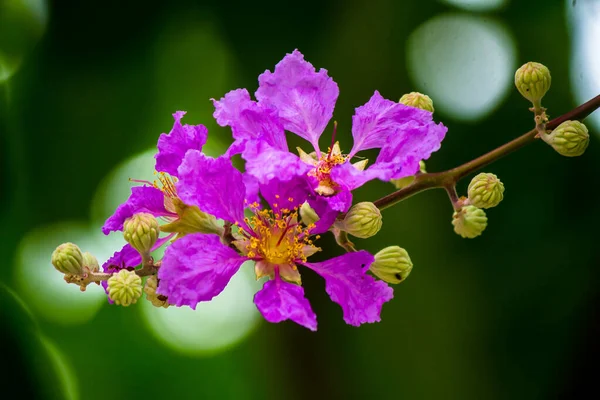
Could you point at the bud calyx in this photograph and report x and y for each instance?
(392, 264)
(569, 139)
(68, 259)
(469, 222)
(417, 100)
(141, 232)
(363, 220)
(485, 191)
(125, 287)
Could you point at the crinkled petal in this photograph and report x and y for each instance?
(249, 121)
(286, 194)
(172, 147)
(340, 201)
(399, 158)
(252, 188)
(212, 184)
(350, 178)
(410, 144)
(142, 199)
(373, 122)
(349, 285)
(196, 268)
(267, 163)
(279, 301)
(304, 98)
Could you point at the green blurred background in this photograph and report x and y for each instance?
(87, 87)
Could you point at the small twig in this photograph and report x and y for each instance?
(444, 179)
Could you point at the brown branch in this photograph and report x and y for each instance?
(448, 178)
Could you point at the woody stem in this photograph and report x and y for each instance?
(448, 179)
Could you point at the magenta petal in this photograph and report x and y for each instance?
(267, 163)
(142, 199)
(249, 121)
(196, 268)
(212, 184)
(304, 98)
(350, 178)
(349, 285)
(172, 147)
(124, 258)
(286, 194)
(279, 301)
(411, 144)
(329, 208)
(252, 188)
(373, 122)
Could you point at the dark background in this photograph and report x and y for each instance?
(510, 315)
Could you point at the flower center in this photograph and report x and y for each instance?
(322, 172)
(276, 240)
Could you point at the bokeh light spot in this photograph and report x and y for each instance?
(465, 64)
(214, 325)
(22, 24)
(477, 5)
(585, 60)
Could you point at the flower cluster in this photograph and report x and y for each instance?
(216, 218)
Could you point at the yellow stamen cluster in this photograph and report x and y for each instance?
(323, 167)
(277, 237)
(166, 183)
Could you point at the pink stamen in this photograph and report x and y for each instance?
(332, 139)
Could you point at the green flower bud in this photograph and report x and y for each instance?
(486, 191)
(363, 220)
(191, 220)
(418, 100)
(392, 264)
(569, 139)
(533, 81)
(407, 180)
(141, 232)
(90, 262)
(469, 222)
(308, 215)
(125, 288)
(157, 300)
(68, 259)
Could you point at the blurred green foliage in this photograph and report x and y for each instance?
(507, 315)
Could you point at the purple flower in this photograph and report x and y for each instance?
(198, 267)
(297, 98)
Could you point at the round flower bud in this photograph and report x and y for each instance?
(569, 139)
(417, 100)
(68, 259)
(407, 180)
(90, 262)
(308, 215)
(150, 290)
(486, 191)
(533, 81)
(141, 232)
(469, 222)
(392, 264)
(124, 287)
(363, 220)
